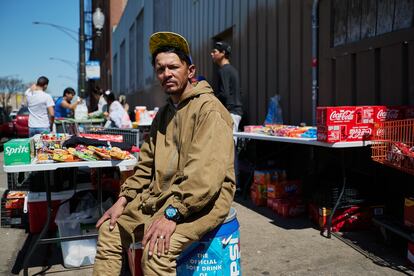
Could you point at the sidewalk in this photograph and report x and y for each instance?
(269, 246)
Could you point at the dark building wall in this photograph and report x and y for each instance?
(271, 49)
(366, 52)
(365, 57)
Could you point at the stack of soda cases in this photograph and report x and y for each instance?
(12, 214)
(355, 123)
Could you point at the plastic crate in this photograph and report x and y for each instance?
(130, 135)
(18, 181)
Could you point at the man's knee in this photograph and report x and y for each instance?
(166, 263)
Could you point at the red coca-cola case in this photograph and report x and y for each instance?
(389, 113)
(342, 133)
(335, 115)
(360, 132)
(365, 114)
(332, 134)
(409, 112)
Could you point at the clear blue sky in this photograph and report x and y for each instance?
(26, 49)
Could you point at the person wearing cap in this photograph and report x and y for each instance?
(228, 90)
(184, 182)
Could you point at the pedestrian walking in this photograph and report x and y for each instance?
(40, 105)
(228, 90)
(64, 106)
(184, 183)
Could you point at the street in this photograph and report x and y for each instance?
(269, 246)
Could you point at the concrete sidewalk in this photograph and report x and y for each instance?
(269, 246)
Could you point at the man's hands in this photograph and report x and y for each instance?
(113, 213)
(158, 235)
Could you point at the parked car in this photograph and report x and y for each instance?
(13, 114)
(6, 124)
(21, 123)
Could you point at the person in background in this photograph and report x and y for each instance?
(40, 105)
(228, 91)
(63, 105)
(184, 183)
(123, 102)
(116, 116)
(102, 104)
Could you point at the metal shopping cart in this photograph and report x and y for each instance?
(394, 144)
(72, 126)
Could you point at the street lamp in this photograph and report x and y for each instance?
(98, 19)
(68, 62)
(63, 29)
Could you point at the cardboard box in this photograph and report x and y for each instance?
(335, 115)
(409, 212)
(389, 113)
(17, 152)
(345, 133)
(346, 219)
(410, 253)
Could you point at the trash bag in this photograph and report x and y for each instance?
(274, 111)
(81, 111)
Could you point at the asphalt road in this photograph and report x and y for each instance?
(269, 246)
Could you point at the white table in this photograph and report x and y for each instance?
(304, 141)
(53, 166)
(311, 142)
(47, 169)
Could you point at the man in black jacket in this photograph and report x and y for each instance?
(228, 90)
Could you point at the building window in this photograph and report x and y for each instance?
(140, 51)
(115, 73)
(132, 59)
(122, 69)
(357, 20)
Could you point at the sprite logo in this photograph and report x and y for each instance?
(21, 149)
(17, 152)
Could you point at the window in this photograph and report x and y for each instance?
(132, 59)
(357, 20)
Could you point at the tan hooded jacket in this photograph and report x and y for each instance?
(187, 162)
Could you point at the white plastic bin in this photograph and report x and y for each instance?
(78, 252)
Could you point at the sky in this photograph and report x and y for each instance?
(26, 49)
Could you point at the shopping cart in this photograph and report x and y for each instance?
(129, 135)
(394, 143)
(73, 127)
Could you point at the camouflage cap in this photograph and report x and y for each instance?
(161, 39)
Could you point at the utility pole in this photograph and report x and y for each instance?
(82, 71)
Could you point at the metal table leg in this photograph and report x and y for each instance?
(329, 223)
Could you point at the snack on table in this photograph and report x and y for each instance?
(119, 154)
(82, 155)
(65, 157)
(101, 152)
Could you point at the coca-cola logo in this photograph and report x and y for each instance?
(379, 132)
(388, 114)
(343, 115)
(359, 133)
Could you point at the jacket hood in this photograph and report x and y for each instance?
(202, 87)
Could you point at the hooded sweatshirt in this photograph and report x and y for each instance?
(187, 161)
